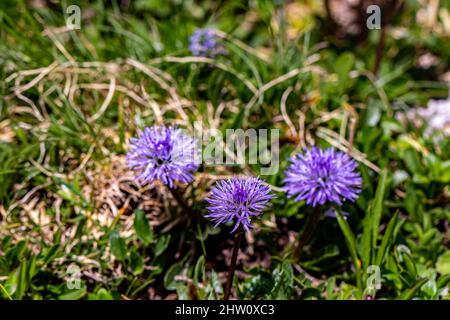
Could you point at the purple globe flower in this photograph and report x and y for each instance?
(203, 43)
(163, 153)
(320, 176)
(238, 200)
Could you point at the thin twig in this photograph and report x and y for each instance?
(284, 113)
(104, 106)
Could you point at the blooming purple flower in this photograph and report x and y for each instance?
(238, 200)
(320, 176)
(203, 43)
(163, 153)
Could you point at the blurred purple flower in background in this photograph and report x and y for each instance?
(320, 176)
(163, 153)
(204, 43)
(238, 200)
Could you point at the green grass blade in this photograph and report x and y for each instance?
(377, 206)
(409, 294)
(5, 292)
(387, 240)
(366, 239)
(22, 282)
(351, 244)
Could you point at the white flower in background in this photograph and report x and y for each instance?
(436, 117)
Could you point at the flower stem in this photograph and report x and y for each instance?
(186, 208)
(311, 225)
(179, 198)
(237, 243)
(187, 216)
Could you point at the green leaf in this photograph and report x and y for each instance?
(162, 244)
(429, 288)
(387, 240)
(373, 113)
(288, 274)
(351, 244)
(51, 254)
(411, 202)
(443, 281)
(409, 294)
(412, 161)
(199, 277)
(73, 294)
(366, 239)
(136, 262)
(117, 246)
(310, 294)
(169, 278)
(443, 263)
(32, 267)
(16, 253)
(344, 64)
(409, 265)
(102, 294)
(377, 206)
(199, 270)
(215, 283)
(141, 287)
(142, 227)
(182, 292)
(22, 280)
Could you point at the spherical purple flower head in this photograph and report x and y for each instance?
(163, 153)
(320, 176)
(238, 200)
(203, 43)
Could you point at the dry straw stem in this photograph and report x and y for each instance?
(260, 55)
(71, 71)
(340, 143)
(212, 62)
(257, 95)
(285, 115)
